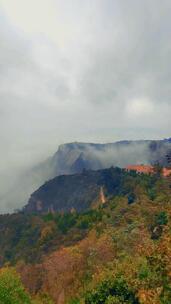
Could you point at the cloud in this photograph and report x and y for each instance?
(80, 70)
(139, 107)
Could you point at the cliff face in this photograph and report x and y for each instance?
(64, 193)
(78, 191)
(74, 157)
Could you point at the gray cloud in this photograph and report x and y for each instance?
(134, 62)
(73, 70)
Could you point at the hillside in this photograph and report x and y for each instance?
(117, 252)
(81, 191)
(79, 195)
(72, 158)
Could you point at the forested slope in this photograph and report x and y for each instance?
(118, 252)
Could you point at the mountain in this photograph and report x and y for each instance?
(118, 251)
(78, 191)
(74, 157)
(64, 199)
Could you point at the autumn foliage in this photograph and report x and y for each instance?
(115, 254)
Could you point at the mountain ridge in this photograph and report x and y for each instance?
(79, 191)
(73, 157)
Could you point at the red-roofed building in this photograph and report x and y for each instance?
(147, 169)
(141, 168)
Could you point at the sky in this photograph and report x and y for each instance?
(73, 70)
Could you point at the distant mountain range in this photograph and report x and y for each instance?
(74, 157)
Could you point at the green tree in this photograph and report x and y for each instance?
(162, 218)
(11, 288)
(112, 291)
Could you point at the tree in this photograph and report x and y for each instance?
(162, 218)
(158, 169)
(11, 288)
(131, 198)
(114, 291)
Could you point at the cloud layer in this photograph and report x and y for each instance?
(81, 70)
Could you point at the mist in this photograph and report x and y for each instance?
(97, 71)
